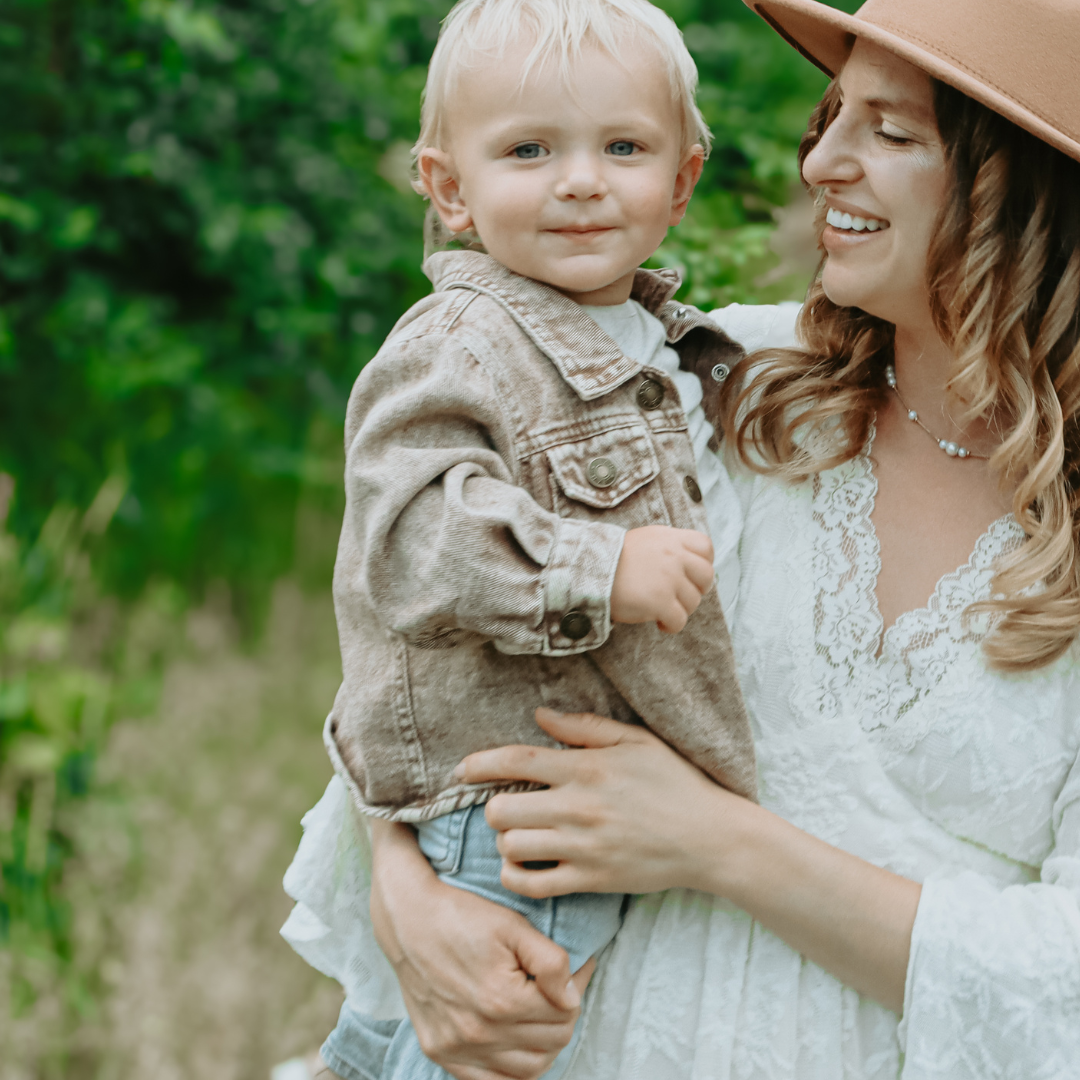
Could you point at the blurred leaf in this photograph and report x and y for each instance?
(192, 28)
(21, 214)
(33, 755)
(14, 699)
(33, 636)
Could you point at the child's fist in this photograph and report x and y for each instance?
(662, 575)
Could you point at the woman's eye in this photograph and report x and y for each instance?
(528, 151)
(621, 148)
(894, 140)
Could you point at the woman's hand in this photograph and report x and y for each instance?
(628, 814)
(489, 996)
(623, 814)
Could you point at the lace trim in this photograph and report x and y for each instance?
(954, 594)
(923, 646)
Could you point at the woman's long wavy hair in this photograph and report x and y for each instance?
(1004, 278)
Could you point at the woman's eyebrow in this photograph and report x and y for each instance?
(904, 107)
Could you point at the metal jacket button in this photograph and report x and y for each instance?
(692, 489)
(721, 372)
(575, 625)
(602, 472)
(650, 394)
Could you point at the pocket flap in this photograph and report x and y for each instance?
(604, 469)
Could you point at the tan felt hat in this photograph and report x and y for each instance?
(1020, 58)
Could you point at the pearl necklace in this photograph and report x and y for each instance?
(950, 448)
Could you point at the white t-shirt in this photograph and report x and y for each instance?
(641, 336)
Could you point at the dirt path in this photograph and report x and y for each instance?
(198, 984)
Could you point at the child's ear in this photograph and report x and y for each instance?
(440, 181)
(685, 181)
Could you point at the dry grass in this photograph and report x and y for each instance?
(178, 899)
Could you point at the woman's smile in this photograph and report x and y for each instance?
(854, 221)
(850, 227)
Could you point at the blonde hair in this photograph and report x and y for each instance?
(1004, 278)
(559, 31)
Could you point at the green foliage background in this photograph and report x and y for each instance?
(205, 231)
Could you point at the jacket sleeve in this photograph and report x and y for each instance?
(993, 985)
(438, 535)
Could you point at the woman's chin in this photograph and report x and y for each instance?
(846, 289)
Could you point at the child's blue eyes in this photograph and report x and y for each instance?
(532, 151)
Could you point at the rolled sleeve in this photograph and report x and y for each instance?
(577, 585)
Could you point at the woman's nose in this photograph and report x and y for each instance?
(834, 160)
(582, 178)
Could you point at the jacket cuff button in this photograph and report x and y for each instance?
(720, 373)
(575, 625)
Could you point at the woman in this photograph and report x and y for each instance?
(917, 850)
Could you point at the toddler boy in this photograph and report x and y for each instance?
(524, 523)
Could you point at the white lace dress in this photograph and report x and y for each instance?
(920, 760)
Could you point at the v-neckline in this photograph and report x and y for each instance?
(933, 604)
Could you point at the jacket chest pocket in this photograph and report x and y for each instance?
(616, 469)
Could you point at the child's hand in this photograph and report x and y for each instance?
(662, 575)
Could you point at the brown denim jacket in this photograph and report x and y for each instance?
(499, 446)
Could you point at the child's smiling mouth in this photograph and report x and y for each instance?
(582, 232)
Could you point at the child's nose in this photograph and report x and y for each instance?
(582, 178)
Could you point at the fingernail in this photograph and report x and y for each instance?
(573, 995)
(550, 713)
(459, 771)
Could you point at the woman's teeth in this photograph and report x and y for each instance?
(858, 224)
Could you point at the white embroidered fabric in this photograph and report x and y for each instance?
(901, 748)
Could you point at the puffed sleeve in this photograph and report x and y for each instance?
(993, 982)
(759, 326)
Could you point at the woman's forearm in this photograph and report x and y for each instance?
(398, 867)
(627, 814)
(851, 918)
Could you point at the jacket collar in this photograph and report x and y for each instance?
(586, 357)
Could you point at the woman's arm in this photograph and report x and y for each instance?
(628, 814)
(489, 996)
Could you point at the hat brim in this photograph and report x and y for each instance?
(826, 37)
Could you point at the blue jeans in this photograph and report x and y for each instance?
(461, 848)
